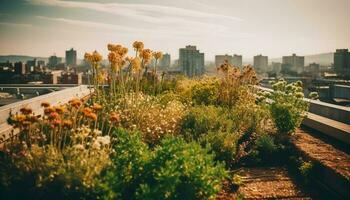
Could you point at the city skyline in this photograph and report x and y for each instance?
(247, 28)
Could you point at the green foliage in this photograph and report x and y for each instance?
(224, 145)
(173, 170)
(305, 168)
(203, 119)
(205, 92)
(265, 144)
(129, 159)
(180, 170)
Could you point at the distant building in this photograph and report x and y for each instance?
(20, 68)
(41, 63)
(342, 60)
(30, 65)
(52, 77)
(191, 61)
(71, 57)
(72, 78)
(313, 69)
(237, 60)
(261, 63)
(276, 67)
(293, 63)
(165, 62)
(220, 59)
(54, 61)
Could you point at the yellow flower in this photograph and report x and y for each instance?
(136, 64)
(138, 46)
(146, 55)
(96, 57)
(158, 55)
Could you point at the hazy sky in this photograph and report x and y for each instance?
(248, 27)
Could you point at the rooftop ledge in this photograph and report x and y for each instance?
(54, 98)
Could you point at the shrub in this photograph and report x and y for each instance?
(130, 156)
(288, 106)
(223, 144)
(173, 170)
(180, 170)
(205, 92)
(203, 119)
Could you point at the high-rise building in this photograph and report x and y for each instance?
(41, 63)
(276, 67)
(293, 63)
(30, 65)
(342, 60)
(237, 60)
(220, 59)
(164, 63)
(191, 61)
(261, 63)
(20, 68)
(54, 61)
(71, 57)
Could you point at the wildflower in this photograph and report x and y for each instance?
(96, 145)
(299, 95)
(59, 109)
(138, 46)
(87, 56)
(104, 140)
(34, 118)
(67, 123)
(45, 104)
(136, 64)
(87, 111)
(114, 117)
(76, 103)
(26, 110)
(54, 115)
(96, 57)
(146, 55)
(92, 116)
(56, 122)
(49, 110)
(97, 107)
(19, 118)
(158, 55)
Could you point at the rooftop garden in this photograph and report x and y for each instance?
(141, 134)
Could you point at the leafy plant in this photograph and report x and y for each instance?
(180, 170)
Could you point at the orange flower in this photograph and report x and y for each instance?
(97, 107)
(19, 118)
(87, 111)
(34, 118)
(26, 110)
(138, 46)
(76, 103)
(56, 122)
(49, 110)
(158, 55)
(67, 123)
(60, 109)
(114, 117)
(45, 104)
(54, 115)
(92, 116)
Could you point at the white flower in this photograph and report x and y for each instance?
(103, 140)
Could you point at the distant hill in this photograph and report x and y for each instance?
(17, 58)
